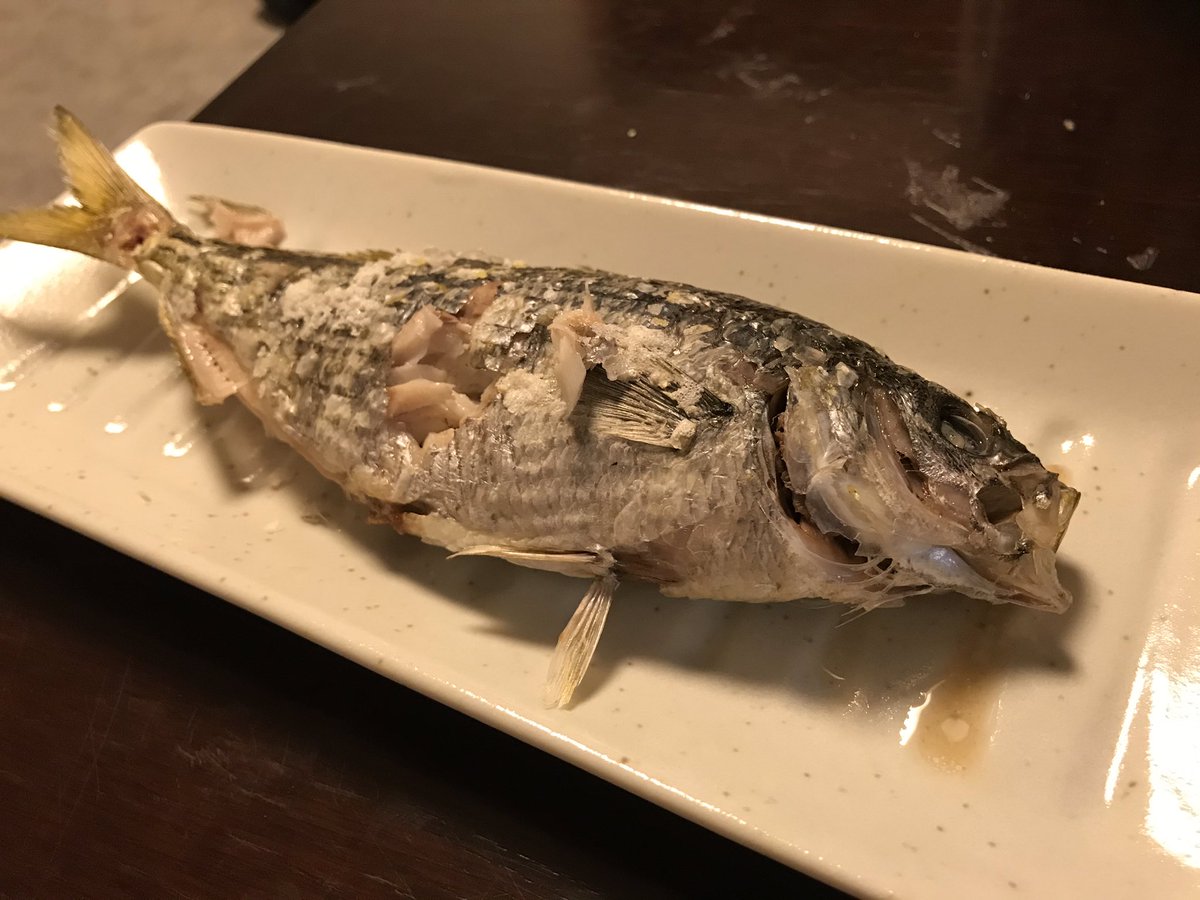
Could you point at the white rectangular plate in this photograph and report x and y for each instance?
(939, 750)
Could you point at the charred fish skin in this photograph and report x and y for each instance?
(589, 423)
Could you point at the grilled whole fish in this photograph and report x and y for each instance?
(588, 423)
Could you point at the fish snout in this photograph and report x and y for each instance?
(1027, 515)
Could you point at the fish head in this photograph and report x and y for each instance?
(961, 463)
(933, 486)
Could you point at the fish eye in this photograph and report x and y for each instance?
(965, 429)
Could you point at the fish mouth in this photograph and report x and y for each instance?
(1034, 583)
(1052, 596)
(1030, 578)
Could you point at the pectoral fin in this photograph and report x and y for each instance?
(612, 380)
(633, 410)
(577, 643)
(663, 412)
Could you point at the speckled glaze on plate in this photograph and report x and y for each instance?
(941, 749)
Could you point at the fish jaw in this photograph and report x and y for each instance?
(1034, 582)
(1028, 575)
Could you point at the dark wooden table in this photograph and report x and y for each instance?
(158, 741)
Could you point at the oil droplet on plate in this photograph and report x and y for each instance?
(956, 729)
(176, 447)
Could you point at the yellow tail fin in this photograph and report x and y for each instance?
(114, 216)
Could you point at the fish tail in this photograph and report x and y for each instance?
(114, 218)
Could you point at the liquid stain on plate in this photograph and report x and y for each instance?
(952, 725)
